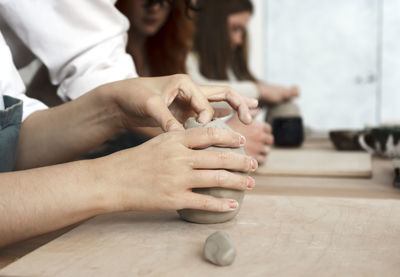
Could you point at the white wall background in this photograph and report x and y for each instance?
(345, 56)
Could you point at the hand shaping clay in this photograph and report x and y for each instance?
(219, 249)
(207, 217)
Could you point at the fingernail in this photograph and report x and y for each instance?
(250, 182)
(233, 204)
(253, 165)
(242, 140)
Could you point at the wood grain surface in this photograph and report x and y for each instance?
(274, 236)
(288, 226)
(326, 162)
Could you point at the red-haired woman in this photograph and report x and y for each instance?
(159, 40)
(160, 35)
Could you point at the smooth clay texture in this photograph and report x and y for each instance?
(207, 217)
(285, 109)
(219, 249)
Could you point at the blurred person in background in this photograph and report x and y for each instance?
(219, 57)
(220, 51)
(160, 38)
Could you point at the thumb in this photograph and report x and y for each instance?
(163, 116)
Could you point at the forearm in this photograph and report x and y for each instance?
(37, 201)
(148, 132)
(67, 131)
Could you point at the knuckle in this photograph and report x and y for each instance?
(235, 138)
(212, 132)
(182, 78)
(222, 178)
(220, 207)
(152, 102)
(243, 181)
(223, 157)
(247, 163)
(205, 204)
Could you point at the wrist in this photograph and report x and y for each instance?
(113, 193)
(102, 194)
(109, 104)
(260, 90)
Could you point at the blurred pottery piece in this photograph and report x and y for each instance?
(396, 181)
(284, 109)
(345, 140)
(383, 141)
(287, 124)
(288, 131)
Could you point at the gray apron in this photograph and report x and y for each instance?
(10, 122)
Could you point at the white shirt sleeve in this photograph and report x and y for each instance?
(246, 88)
(82, 43)
(11, 83)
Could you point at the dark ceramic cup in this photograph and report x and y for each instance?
(288, 131)
(345, 140)
(384, 141)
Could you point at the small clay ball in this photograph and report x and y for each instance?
(219, 249)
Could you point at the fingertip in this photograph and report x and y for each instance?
(204, 117)
(253, 103)
(231, 205)
(267, 128)
(253, 165)
(254, 112)
(242, 140)
(248, 118)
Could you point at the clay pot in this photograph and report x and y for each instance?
(287, 124)
(288, 131)
(200, 216)
(345, 140)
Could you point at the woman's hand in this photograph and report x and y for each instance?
(168, 101)
(275, 94)
(258, 137)
(160, 174)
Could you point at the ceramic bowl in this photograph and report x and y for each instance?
(345, 140)
(385, 141)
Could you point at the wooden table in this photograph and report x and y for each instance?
(288, 226)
